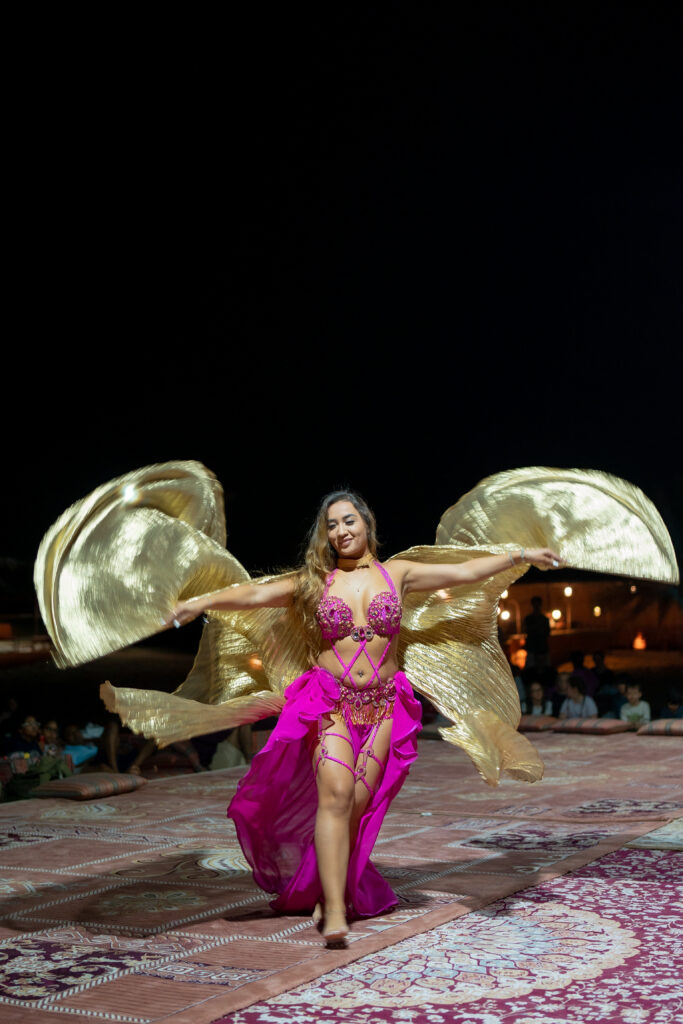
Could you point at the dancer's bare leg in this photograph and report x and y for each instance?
(372, 773)
(335, 801)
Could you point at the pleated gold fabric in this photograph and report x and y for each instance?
(114, 565)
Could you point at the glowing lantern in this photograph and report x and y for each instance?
(568, 591)
(505, 616)
(633, 588)
(639, 643)
(597, 611)
(556, 614)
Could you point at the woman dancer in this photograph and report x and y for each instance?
(115, 563)
(309, 810)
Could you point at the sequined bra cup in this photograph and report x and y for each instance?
(335, 618)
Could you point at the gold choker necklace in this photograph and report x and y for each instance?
(354, 563)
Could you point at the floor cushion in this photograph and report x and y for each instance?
(89, 785)
(662, 727)
(601, 726)
(536, 723)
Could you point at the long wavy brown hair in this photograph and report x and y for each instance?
(320, 559)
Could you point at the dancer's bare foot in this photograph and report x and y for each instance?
(335, 929)
(317, 915)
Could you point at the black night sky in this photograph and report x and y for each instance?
(397, 251)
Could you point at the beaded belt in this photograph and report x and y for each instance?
(366, 707)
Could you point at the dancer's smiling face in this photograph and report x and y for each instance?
(346, 530)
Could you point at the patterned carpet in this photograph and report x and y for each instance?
(514, 901)
(604, 944)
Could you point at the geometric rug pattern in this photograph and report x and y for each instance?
(140, 908)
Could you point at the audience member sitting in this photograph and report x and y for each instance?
(558, 693)
(635, 711)
(674, 706)
(587, 675)
(49, 740)
(577, 703)
(537, 703)
(25, 739)
(80, 749)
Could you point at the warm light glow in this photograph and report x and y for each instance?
(505, 616)
(519, 658)
(443, 594)
(639, 643)
(556, 614)
(255, 662)
(633, 588)
(597, 611)
(568, 591)
(499, 610)
(504, 594)
(130, 492)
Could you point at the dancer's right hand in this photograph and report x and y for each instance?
(184, 612)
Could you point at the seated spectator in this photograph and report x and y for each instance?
(80, 749)
(49, 740)
(25, 739)
(590, 680)
(537, 703)
(619, 698)
(577, 703)
(635, 711)
(558, 692)
(673, 707)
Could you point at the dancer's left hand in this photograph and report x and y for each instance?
(543, 558)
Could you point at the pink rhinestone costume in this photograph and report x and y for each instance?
(370, 704)
(275, 805)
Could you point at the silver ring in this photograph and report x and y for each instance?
(176, 624)
(555, 563)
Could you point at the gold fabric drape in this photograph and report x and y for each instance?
(114, 565)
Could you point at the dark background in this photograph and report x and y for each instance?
(397, 251)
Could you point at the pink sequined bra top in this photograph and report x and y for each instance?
(335, 618)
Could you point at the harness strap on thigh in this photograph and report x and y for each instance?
(325, 756)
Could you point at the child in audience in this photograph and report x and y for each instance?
(635, 711)
(673, 707)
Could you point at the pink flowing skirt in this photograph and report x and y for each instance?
(275, 805)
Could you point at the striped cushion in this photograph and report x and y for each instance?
(662, 727)
(89, 785)
(592, 725)
(536, 723)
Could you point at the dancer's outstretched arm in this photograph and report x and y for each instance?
(277, 594)
(420, 576)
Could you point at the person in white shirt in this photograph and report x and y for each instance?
(635, 711)
(577, 704)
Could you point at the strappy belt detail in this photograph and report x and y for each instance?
(360, 771)
(366, 706)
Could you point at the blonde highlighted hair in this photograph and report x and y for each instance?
(320, 559)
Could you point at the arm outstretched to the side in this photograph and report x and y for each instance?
(416, 576)
(277, 594)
